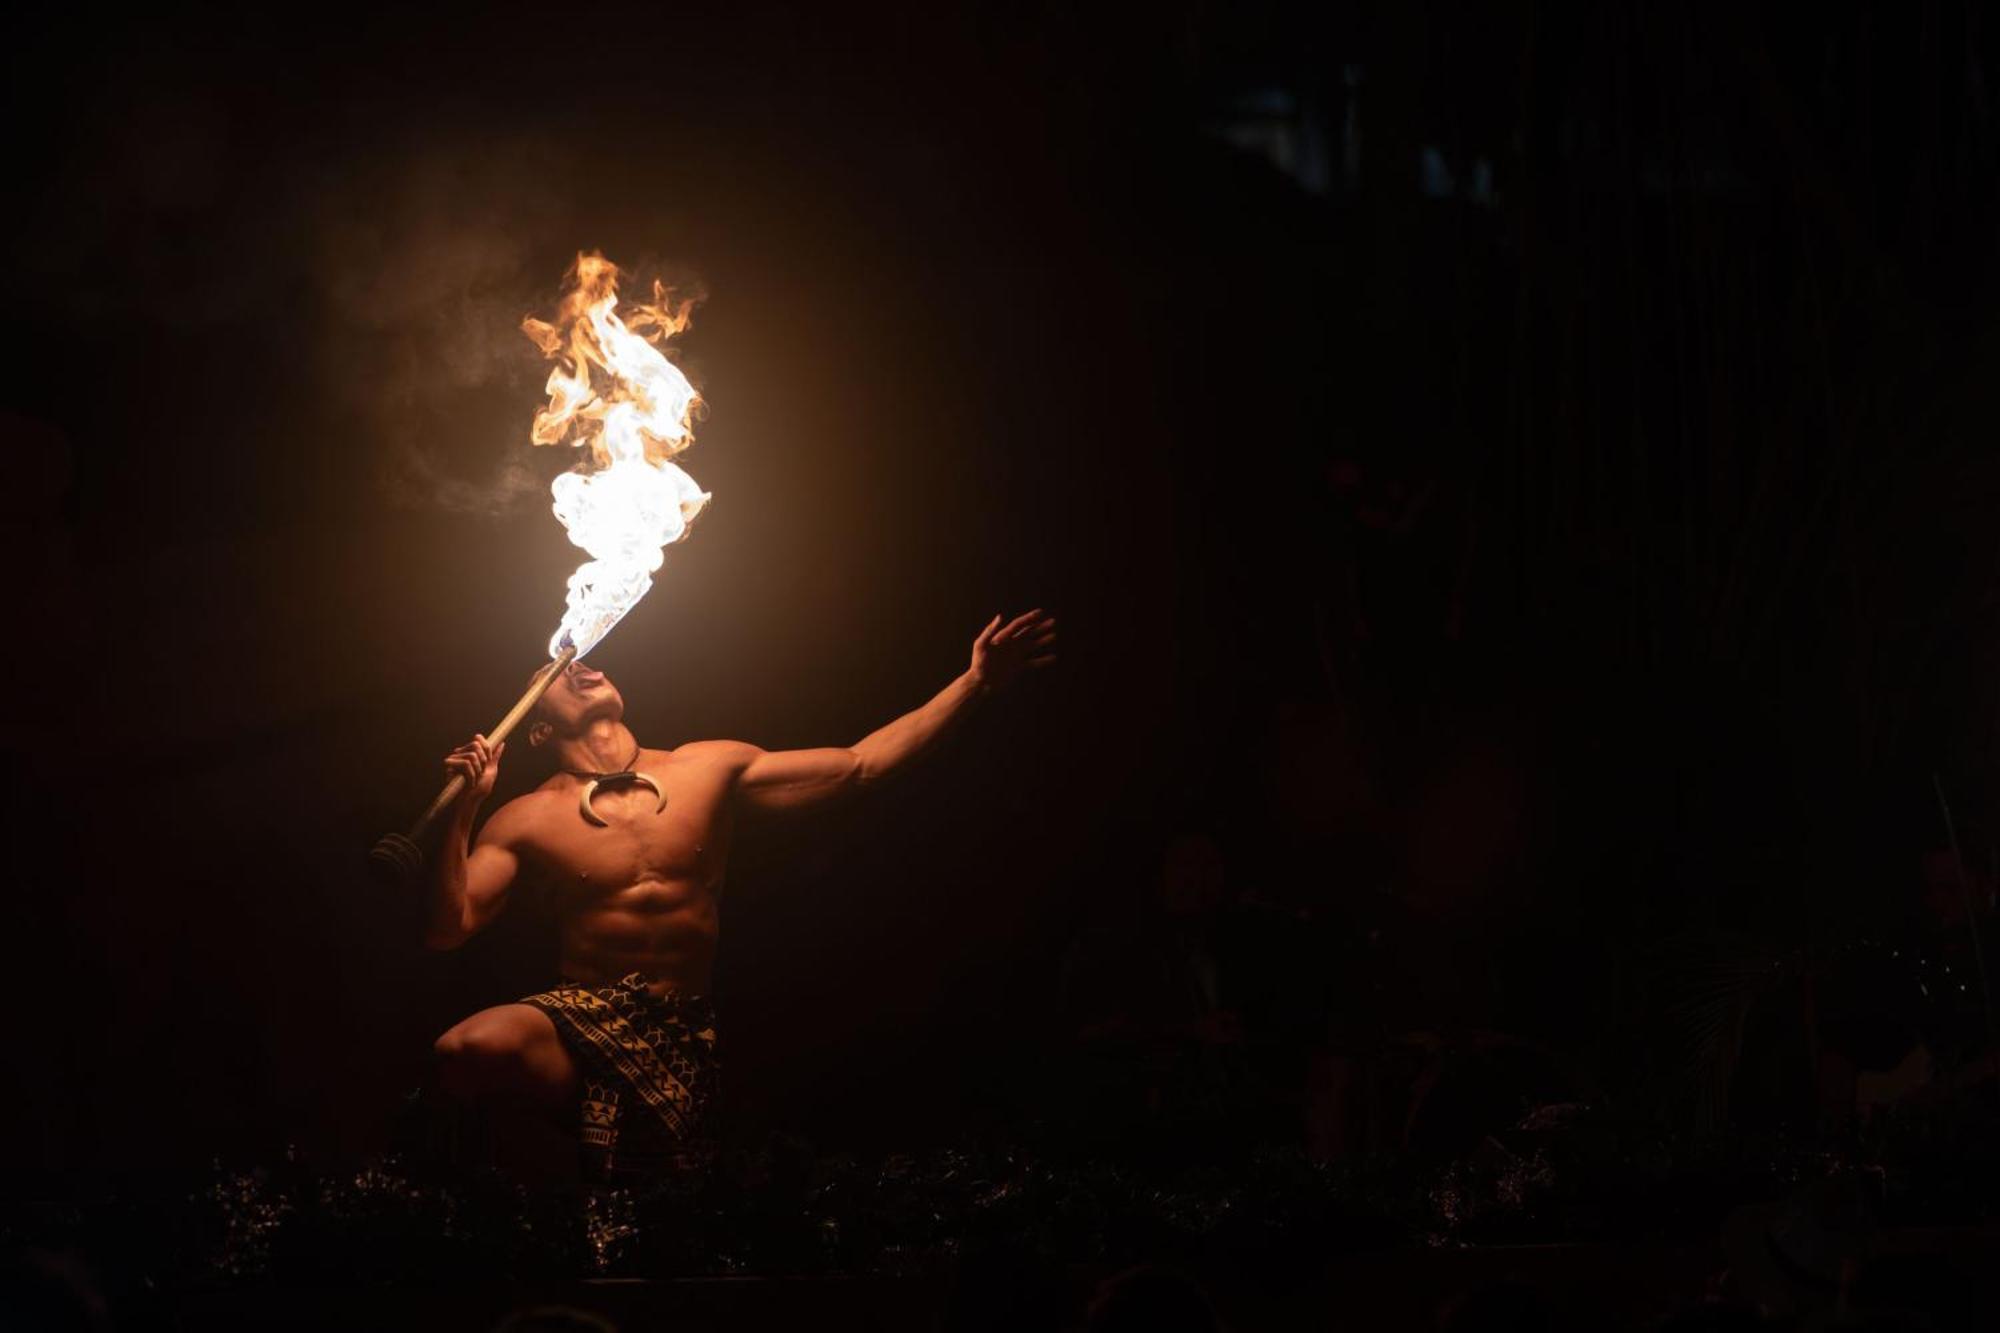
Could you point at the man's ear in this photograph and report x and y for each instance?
(539, 732)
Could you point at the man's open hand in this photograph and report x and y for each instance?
(479, 764)
(1003, 652)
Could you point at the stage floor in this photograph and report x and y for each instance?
(1604, 1286)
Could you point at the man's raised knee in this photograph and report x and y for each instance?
(472, 1060)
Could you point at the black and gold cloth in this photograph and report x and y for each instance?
(648, 1064)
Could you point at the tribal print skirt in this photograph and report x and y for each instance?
(648, 1066)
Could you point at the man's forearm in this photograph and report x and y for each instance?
(888, 748)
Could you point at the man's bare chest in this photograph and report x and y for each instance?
(669, 829)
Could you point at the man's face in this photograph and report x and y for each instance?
(580, 695)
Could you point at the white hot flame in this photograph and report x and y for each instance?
(613, 394)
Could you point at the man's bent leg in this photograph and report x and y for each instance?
(509, 1053)
(515, 1089)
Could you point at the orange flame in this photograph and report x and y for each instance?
(613, 393)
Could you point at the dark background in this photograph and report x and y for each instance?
(1522, 481)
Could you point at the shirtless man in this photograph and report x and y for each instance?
(627, 1041)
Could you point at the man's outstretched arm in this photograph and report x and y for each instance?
(791, 779)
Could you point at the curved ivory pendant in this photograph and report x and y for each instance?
(616, 780)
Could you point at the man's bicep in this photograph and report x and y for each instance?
(490, 870)
(786, 779)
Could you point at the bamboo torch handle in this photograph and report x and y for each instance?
(401, 855)
(536, 689)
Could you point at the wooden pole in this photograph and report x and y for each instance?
(400, 856)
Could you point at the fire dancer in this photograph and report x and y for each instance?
(634, 842)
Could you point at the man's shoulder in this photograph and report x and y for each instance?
(523, 811)
(722, 753)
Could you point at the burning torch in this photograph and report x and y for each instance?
(614, 396)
